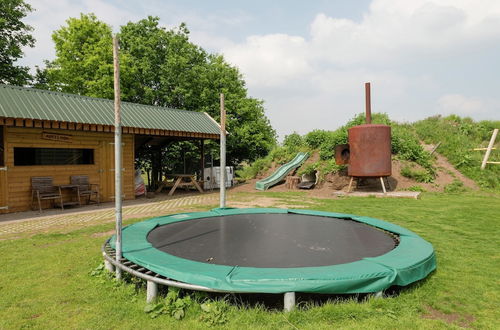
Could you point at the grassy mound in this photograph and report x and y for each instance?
(405, 146)
(458, 137)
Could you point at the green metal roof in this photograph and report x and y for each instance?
(30, 103)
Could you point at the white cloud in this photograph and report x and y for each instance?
(270, 60)
(50, 15)
(412, 51)
(467, 106)
(389, 47)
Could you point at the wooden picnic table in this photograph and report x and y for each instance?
(180, 180)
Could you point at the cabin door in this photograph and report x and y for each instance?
(3, 173)
(107, 170)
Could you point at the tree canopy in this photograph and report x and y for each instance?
(14, 35)
(158, 67)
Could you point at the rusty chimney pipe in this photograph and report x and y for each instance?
(368, 103)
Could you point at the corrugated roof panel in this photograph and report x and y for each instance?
(30, 103)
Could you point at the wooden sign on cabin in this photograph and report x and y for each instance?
(56, 137)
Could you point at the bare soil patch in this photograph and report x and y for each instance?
(463, 321)
(445, 175)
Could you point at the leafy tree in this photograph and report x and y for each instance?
(159, 67)
(14, 35)
(84, 59)
(293, 141)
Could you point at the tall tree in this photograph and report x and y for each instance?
(84, 58)
(159, 67)
(14, 35)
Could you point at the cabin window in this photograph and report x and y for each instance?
(2, 148)
(52, 156)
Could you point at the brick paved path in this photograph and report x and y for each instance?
(75, 220)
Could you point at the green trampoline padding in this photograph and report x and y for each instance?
(411, 260)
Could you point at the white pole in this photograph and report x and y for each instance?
(289, 301)
(222, 152)
(488, 150)
(118, 156)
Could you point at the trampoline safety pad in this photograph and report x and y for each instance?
(279, 250)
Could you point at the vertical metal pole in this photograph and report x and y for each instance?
(222, 152)
(368, 103)
(118, 156)
(488, 150)
(109, 266)
(289, 301)
(212, 180)
(151, 291)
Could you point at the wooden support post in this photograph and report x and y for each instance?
(488, 150)
(350, 185)
(383, 185)
(155, 167)
(160, 165)
(435, 148)
(202, 159)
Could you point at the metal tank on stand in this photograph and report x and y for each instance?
(368, 153)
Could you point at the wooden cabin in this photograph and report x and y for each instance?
(44, 133)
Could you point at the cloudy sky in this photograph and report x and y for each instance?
(308, 60)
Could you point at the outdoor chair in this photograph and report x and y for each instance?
(85, 188)
(42, 188)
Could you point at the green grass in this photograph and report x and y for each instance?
(45, 280)
(458, 136)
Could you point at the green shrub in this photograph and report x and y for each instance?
(416, 188)
(281, 155)
(293, 141)
(419, 175)
(251, 171)
(406, 146)
(455, 187)
(316, 138)
(309, 169)
(321, 166)
(327, 148)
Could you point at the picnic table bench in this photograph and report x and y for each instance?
(180, 180)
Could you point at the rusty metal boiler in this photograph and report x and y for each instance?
(368, 153)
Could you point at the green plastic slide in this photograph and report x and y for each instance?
(281, 172)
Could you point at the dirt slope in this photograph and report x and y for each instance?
(446, 174)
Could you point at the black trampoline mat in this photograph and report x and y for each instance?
(271, 240)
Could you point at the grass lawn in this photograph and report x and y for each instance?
(45, 280)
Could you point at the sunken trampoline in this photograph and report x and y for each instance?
(273, 251)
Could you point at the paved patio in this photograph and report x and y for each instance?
(31, 222)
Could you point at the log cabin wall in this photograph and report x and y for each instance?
(15, 183)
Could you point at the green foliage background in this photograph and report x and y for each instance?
(458, 137)
(14, 35)
(404, 140)
(158, 67)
